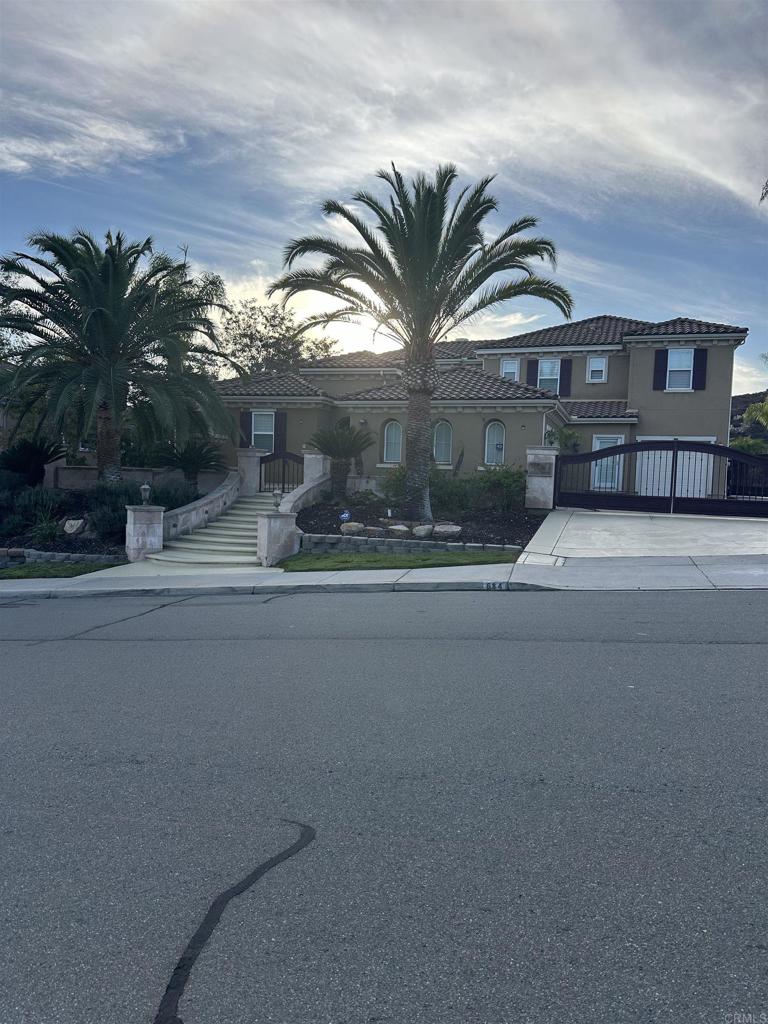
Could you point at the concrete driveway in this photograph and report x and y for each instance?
(576, 533)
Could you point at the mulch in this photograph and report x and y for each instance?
(69, 545)
(487, 527)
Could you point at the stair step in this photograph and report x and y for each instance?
(214, 544)
(181, 558)
(231, 530)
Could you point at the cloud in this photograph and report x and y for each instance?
(749, 376)
(574, 104)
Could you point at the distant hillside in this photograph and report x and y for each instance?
(739, 405)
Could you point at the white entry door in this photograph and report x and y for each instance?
(607, 473)
(653, 474)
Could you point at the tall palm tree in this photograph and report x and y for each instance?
(109, 331)
(423, 269)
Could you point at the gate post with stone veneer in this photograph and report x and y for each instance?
(540, 476)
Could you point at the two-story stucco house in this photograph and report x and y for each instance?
(609, 378)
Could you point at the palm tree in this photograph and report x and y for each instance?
(195, 457)
(420, 272)
(107, 332)
(342, 444)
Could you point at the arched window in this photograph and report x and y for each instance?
(393, 441)
(442, 441)
(494, 443)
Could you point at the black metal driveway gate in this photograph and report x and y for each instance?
(665, 476)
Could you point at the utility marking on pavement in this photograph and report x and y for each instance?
(168, 1013)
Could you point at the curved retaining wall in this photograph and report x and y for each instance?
(202, 511)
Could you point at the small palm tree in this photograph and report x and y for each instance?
(192, 458)
(342, 444)
(104, 329)
(423, 269)
(29, 457)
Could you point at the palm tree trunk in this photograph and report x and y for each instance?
(420, 380)
(107, 445)
(339, 473)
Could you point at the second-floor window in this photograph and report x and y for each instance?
(597, 369)
(510, 369)
(549, 374)
(680, 369)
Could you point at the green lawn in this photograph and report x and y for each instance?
(427, 560)
(50, 570)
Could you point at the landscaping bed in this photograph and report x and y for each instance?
(516, 526)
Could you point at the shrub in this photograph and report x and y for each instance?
(29, 458)
(35, 503)
(173, 495)
(44, 530)
(501, 488)
(12, 526)
(10, 481)
(108, 521)
(394, 486)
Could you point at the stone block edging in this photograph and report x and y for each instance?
(322, 543)
(11, 557)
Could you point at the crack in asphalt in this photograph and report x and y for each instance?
(168, 1011)
(105, 625)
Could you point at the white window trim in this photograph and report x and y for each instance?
(604, 378)
(549, 359)
(503, 443)
(516, 378)
(399, 459)
(263, 412)
(449, 461)
(677, 369)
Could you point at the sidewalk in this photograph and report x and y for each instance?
(746, 572)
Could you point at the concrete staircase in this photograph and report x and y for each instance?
(231, 540)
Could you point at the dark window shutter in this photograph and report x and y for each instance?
(566, 367)
(699, 369)
(246, 433)
(660, 359)
(532, 372)
(281, 430)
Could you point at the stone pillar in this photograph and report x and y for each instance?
(316, 465)
(249, 465)
(143, 531)
(278, 537)
(540, 476)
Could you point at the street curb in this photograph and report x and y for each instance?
(299, 588)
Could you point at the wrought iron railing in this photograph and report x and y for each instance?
(281, 471)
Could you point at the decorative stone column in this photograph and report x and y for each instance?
(143, 531)
(278, 537)
(540, 476)
(249, 464)
(316, 465)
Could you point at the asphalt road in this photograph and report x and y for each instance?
(513, 807)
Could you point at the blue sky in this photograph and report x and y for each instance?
(634, 131)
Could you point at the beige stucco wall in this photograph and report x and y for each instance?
(522, 428)
(301, 423)
(703, 413)
(347, 382)
(614, 387)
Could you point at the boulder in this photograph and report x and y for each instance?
(423, 531)
(73, 527)
(399, 531)
(374, 531)
(446, 531)
(352, 529)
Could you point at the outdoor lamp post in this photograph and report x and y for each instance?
(144, 491)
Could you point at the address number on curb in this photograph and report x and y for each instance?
(495, 586)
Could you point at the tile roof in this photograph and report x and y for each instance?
(357, 360)
(606, 330)
(456, 385)
(268, 385)
(684, 325)
(605, 410)
(462, 348)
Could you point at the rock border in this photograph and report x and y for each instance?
(323, 543)
(11, 557)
